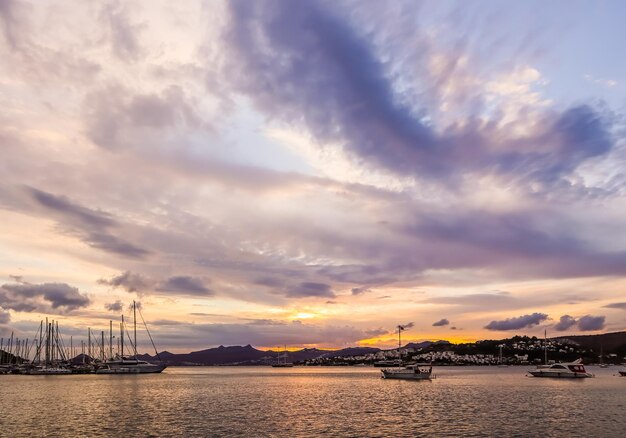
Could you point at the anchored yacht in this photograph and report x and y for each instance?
(562, 370)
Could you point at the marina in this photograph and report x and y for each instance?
(51, 355)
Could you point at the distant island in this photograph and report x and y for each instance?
(516, 350)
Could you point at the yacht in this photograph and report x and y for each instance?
(129, 366)
(121, 364)
(562, 370)
(283, 363)
(418, 371)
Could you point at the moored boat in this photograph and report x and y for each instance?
(622, 373)
(562, 370)
(420, 371)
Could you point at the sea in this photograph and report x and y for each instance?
(313, 402)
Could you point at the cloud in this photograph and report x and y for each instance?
(128, 281)
(591, 323)
(441, 323)
(616, 306)
(186, 285)
(517, 323)
(360, 290)
(117, 306)
(341, 92)
(564, 323)
(311, 289)
(26, 297)
(123, 35)
(88, 225)
(5, 317)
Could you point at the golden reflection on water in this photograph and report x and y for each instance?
(312, 401)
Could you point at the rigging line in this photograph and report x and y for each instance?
(149, 335)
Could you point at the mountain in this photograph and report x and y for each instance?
(610, 342)
(351, 351)
(425, 344)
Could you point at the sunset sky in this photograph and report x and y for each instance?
(313, 173)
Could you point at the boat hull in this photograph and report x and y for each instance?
(561, 374)
(622, 373)
(406, 374)
(141, 369)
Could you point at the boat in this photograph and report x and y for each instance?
(622, 373)
(121, 364)
(284, 363)
(416, 371)
(501, 363)
(48, 371)
(562, 370)
(602, 364)
(130, 366)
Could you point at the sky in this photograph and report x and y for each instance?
(314, 173)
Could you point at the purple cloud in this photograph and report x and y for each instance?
(517, 323)
(311, 289)
(564, 323)
(616, 306)
(185, 285)
(314, 70)
(26, 297)
(441, 323)
(128, 281)
(591, 323)
(5, 317)
(117, 306)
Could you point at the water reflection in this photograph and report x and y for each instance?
(247, 401)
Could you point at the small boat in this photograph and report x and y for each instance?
(418, 371)
(622, 373)
(562, 370)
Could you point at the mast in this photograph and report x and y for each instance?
(89, 342)
(545, 346)
(122, 335)
(110, 339)
(135, 328)
(400, 328)
(102, 345)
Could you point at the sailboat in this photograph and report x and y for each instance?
(501, 363)
(284, 363)
(129, 365)
(602, 364)
(418, 371)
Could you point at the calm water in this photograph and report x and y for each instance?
(253, 401)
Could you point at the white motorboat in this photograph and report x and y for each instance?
(420, 371)
(130, 366)
(562, 370)
(48, 371)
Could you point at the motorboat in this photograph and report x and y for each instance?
(130, 366)
(420, 371)
(622, 373)
(562, 370)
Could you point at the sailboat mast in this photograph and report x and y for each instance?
(110, 339)
(122, 336)
(135, 328)
(399, 346)
(545, 347)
